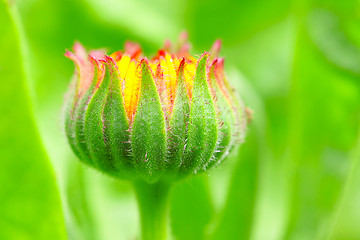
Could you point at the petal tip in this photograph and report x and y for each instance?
(108, 59)
(144, 62)
(215, 49)
(184, 36)
(69, 54)
(182, 63)
(181, 66)
(204, 57)
(145, 66)
(133, 49)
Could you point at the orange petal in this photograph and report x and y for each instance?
(189, 74)
(132, 88)
(215, 50)
(168, 68)
(133, 49)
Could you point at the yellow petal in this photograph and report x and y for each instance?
(123, 65)
(131, 89)
(167, 65)
(189, 73)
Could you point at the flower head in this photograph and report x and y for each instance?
(161, 118)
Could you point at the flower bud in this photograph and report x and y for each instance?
(164, 118)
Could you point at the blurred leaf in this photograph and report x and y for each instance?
(115, 210)
(155, 20)
(325, 108)
(30, 205)
(324, 29)
(191, 208)
(236, 220)
(323, 104)
(231, 20)
(82, 224)
(265, 62)
(347, 214)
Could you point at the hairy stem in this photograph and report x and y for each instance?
(153, 206)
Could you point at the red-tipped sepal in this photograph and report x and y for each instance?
(202, 126)
(148, 134)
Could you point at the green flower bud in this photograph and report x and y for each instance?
(164, 118)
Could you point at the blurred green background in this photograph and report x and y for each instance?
(295, 63)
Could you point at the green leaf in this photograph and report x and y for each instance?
(82, 222)
(325, 112)
(233, 21)
(29, 198)
(346, 216)
(191, 208)
(319, 151)
(265, 61)
(236, 219)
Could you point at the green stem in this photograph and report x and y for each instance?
(153, 206)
